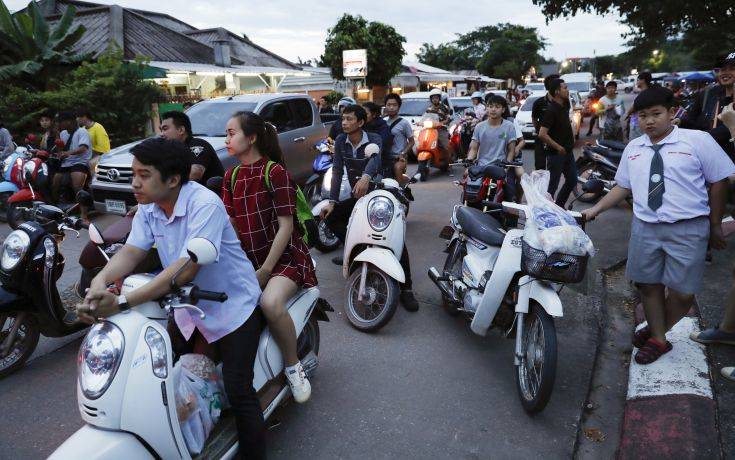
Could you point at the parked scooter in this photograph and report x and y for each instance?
(30, 175)
(427, 148)
(485, 187)
(497, 280)
(126, 387)
(8, 186)
(373, 247)
(30, 265)
(598, 161)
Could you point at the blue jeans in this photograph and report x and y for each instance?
(558, 165)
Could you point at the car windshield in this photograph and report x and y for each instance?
(528, 105)
(460, 104)
(209, 119)
(578, 86)
(535, 87)
(414, 107)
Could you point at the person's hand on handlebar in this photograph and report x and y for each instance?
(326, 210)
(361, 187)
(590, 213)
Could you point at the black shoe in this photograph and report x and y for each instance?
(409, 301)
(337, 261)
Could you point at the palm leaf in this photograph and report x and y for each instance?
(17, 70)
(7, 24)
(68, 40)
(62, 27)
(40, 26)
(25, 37)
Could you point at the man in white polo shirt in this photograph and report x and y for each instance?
(667, 171)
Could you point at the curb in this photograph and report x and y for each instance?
(670, 411)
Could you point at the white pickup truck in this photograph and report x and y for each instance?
(295, 117)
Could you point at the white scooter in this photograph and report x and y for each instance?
(327, 240)
(494, 278)
(125, 386)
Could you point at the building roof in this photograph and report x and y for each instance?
(157, 36)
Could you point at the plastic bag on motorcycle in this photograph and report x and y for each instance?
(549, 227)
(200, 398)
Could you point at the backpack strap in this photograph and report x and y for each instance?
(267, 176)
(393, 125)
(233, 178)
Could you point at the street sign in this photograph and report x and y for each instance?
(354, 63)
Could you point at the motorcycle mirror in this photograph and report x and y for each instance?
(371, 149)
(593, 186)
(415, 178)
(215, 184)
(201, 251)
(95, 235)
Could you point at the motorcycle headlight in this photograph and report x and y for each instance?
(157, 345)
(380, 213)
(99, 357)
(50, 247)
(14, 248)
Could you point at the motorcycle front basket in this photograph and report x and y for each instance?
(557, 267)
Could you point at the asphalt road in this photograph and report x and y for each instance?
(424, 386)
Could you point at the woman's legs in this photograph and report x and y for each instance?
(273, 302)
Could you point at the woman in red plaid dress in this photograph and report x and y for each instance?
(264, 221)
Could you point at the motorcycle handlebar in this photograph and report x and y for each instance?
(200, 294)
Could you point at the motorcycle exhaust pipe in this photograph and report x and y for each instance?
(441, 283)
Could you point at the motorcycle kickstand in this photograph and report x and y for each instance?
(361, 290)
(519, 338)
(8, 342)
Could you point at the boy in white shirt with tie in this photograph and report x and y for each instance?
(667, 170)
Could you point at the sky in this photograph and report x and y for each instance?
(297, 29)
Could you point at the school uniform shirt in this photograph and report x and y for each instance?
(200, 213)
(691, 158)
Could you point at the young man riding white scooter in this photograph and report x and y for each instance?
(174, 210)
(349, 152)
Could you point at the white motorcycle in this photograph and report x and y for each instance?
(497, 280)
(327, 240)
(126, 386)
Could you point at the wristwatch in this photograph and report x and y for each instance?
(122, 303)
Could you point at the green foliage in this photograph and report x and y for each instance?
(111, 88)
(333, 97)
(501, 51)
(31, 51)
(383, 44)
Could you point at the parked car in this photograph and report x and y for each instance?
(414, 105)
(534, 89)
(524, 116)
(582, 82)
(294, 115)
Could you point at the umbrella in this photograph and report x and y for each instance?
(699, 77)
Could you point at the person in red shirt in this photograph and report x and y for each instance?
(263, 218)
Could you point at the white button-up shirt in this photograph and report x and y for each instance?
(200, 213)
(691, 158)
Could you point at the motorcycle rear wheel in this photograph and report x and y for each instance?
(423, 170)
(23, 346)
(587, 171)
(382, 292)
(326, 241)
(536, 372)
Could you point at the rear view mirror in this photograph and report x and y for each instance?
(415, 178)
(215, 184)
(201, 251)
(95, 235)
(595, 186)
(371, 149)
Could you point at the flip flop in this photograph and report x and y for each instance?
(651, 351)
(641, 336)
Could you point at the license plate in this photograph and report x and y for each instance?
(115, 207)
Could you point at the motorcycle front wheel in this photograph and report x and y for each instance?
(326, 241)
(379, 303)
(23, 345)
(536, 372)
(313, 193)
(423, 170)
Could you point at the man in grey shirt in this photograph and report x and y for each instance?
(74, 157)
(495, 139)
(6, 140)
(402, 134)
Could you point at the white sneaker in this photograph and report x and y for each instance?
(300, 386)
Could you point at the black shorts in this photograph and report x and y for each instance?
(74, 168)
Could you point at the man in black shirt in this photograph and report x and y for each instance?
(557, 135)
(537, 114)
(205, 163)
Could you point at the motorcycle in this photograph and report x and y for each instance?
(427, 147)
(8, 186)
(485, 187)
(373, 247)
(126, 384)
(497, 280)
(30, 176)
(598, 161)
(30, 265)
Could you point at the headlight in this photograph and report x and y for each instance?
(380, 213)
(157, 345)
(99, 357)
(14, 248)
(50, 248)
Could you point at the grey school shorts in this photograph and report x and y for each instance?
(669, 254)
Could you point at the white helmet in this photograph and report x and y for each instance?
(345, 101)
(435, 92)
(476, 95)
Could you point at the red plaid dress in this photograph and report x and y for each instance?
(255, 210)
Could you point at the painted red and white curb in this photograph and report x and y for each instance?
(670, 411)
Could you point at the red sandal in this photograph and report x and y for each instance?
(651, 351)
(641, 336)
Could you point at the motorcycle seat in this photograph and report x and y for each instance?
(614, 145)
(492, 171)
(480, 226)
(612, 155)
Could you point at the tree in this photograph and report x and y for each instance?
(383, 44)
(30, 51)
(707, 26)
(503, 50)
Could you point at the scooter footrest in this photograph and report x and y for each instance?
(447, 232)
